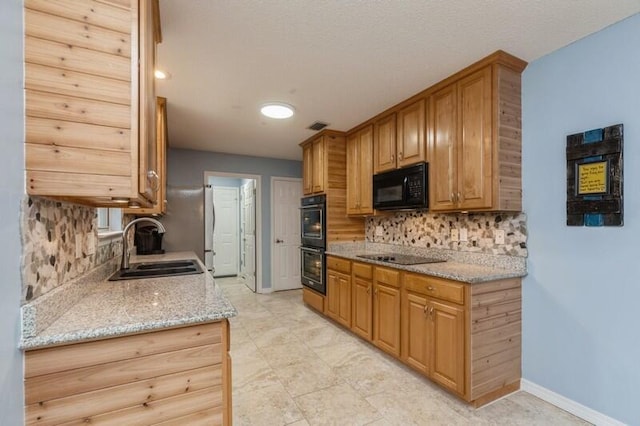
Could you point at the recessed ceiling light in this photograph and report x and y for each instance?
(161, 75)
(277, 110)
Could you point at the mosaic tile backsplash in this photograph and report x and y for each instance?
(50, 230)
(433, 230)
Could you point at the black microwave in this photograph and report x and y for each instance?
(402, 189)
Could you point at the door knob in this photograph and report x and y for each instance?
(278, 240)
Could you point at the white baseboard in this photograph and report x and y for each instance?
(573, 407)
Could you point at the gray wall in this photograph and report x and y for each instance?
(187, 167)
(11, 193)
(580, 299)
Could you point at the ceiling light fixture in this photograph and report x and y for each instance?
(277, 110)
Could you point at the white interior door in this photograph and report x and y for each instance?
(249, 234)
(285, 244)
(225, 235)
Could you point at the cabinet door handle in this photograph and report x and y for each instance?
(425, 310)
(375, 291)
(458, 198)
(400, 156)
(154, 180)
(368, 290)
(431, 312)
(452, 197)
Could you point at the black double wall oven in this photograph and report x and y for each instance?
(313, 237)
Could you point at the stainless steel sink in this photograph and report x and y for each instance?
(166, 268)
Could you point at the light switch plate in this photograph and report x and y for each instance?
(498, 236)
(463, 234)
(454, 234)
(379, 231)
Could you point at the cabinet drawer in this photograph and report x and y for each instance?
(435, 287)
(340, 265)
(313, 299)
(362, 270)
(388, 276)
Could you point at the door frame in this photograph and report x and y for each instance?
(273, 222)
(211, 173)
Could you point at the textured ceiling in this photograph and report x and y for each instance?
(337, 61)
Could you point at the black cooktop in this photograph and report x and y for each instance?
(400, 259)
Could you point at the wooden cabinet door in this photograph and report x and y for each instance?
(344, 304)
(447, 345)
(332, 300)
(365, 188)
(443, 151)
(318, 168)
(386, 318)
(307, 169)
(338, 298)
(149, 175)
(475, 166)
(410, 146)
(361, 318)
(353, 173)
(384, 146)
(360, 172)
(415, 348)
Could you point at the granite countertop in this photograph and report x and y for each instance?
(459, 266)
(115, 308)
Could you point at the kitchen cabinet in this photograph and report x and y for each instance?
(400, 138)
(474, 145)
(90, 120)
(175, 375)
(160, 206)
(324, 171)
(434, 329)
(360, 172)
(464, 337)
(386, 310)
(362, 301)
(338, 300)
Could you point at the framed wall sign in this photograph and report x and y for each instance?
(594, 177)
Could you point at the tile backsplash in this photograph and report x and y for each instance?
(50, 230)
(424, 229)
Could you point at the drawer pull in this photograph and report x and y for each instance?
(430, 288)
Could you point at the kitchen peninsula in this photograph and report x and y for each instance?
(158, 347)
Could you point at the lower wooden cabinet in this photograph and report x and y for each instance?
(170, 377)
(386, 310)
(465, 337)
(361, 300)
(338, 300)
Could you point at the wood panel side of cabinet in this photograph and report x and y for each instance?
(507, 164)
(495, 339)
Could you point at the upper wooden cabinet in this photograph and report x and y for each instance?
(400, 138)
(360, 172)
(160, 206)
(315, 165)
(90, 120)
(474, 144)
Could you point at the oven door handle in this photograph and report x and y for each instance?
(312, 206)
(313, 250)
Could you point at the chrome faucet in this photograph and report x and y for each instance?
(125, 244)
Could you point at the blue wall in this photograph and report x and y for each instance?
(581, 298)
(187, 167)
(11, 193)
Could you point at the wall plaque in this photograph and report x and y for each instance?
(594, 177)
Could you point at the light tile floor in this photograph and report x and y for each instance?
(292, 366)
